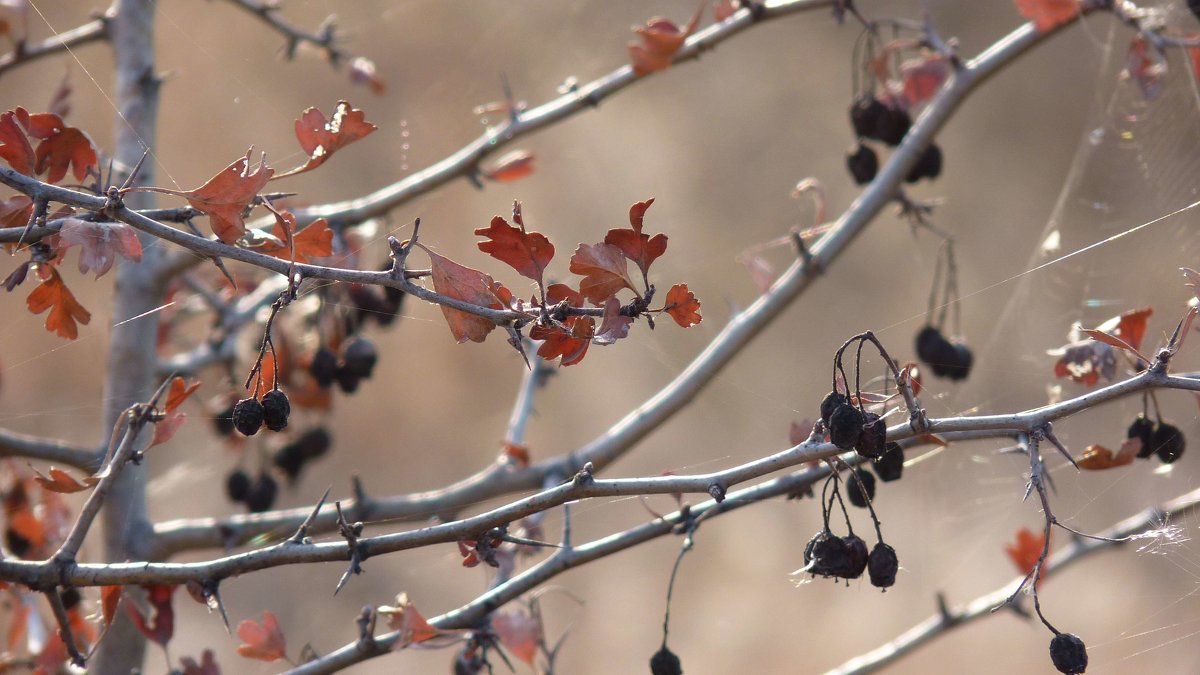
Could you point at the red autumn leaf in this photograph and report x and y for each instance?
(683, 306)
(1047, 14)
(321, 136)
(160, 625)
(407, 619)
(14, 142)
(1129, 326)
(556, 293)
(519, 632)
(661, 40)
(1146, 66)
(516, 454)
(526, 252)
(178, 392)
(362, 71)
(263, 641)
(571, 344)
(227, 195)
(1098, 457)
(314, 241)
(100, 244)
(604, 271)
(62, 482)
(207, 666)
(66, 147)
(164, 429)
(15, 212)
(1026, 551)
(512, 166)
(110, 597)
(466, 284)
(54, 295)
(613, 325)
(923, 77)
(641, 248)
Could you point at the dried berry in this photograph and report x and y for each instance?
(262, 494)
(248, 416)
(829, 404)
(892, 126)
(290, 461)
(237, 486)
(1194, 5)
(845, 426)
(856, 555)
(860, 488)
(826, 555)
(928, 166)
(882, 565)
(944, 358)
(1168, 442)
(1068, 653)
(873, 440)
(367, 304)
(359, 357)
(347, 380)
(70, 598)
(664, 662)
(864, 115)
(314, 443)
(1142, 429)
(323, 367)
(960, 365)
(15, 543)
(890, 466)
(929, 344)
(223, 421)
(276, 409)
(863, 164)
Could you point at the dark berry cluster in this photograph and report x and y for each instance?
(831, 556)
(250, 414)
(947, 359)
(292, 457)
(357, 363)
(257, 494)
(1162, 439)
(887, 123)
(368, 304)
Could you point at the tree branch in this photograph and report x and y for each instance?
(13, 444)
(92, 31)
(323, 40)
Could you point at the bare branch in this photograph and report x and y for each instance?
(92, 31)
(13, 444)
(324, 39)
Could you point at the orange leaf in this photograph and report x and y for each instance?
(571, 344)
(227, 195)
(67, 146)
(65, 310)
(62, 482)
(15, 212)
(641, 248)
(516, 454)
(100, 244)
(405, 618)
(1130, 326)
(14, 142)
(512, 166)
(683, 306)
(179, 392)
(922, 77)
(321, 137)
(661, 40)
(160, 625)
(314, 241)
(164, 429)
(466, 284)
(1026, 551)
(1098, 457)
(526, 252)
(264, 641)
(1047, 14)
(604, 271)
(519, 632)
(110, 596)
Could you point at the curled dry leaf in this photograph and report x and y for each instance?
(1048, 14)
(683, 306)
(519, 632)
(407, 619)
(362, 71)
(15, 211)
(570, 342)
(466, 284)
(320, 136)
(65, 310)
(1130, 326)
(159, 625)
(613, 325)
(638, 247)
(512, 166)
(314, 241)
(604, 271)
(1098, 457)
(1026, 550)
(227, 195)
(526, 252)
(164, 429)
(922, 77)
(661, 39)
(100, 244)
(264, 641)
(62, 482)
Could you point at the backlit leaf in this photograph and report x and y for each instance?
(613, 325)
(641, 248)
(571, 344)
(660, 40)
(526, 252)
(159, 626)
(683, 306)
(466, 284)
(67, 147)
(1026, 550)
(65, 310)
(407, 619)
(322, 136)
(264, 641)
(227, 195)
(14, 142)
(923, 77)
(512, 166)
(604, 271)
(519, 632)
(100, 243)
(62, 482)
(1047, 14)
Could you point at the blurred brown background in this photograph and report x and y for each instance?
(719, 144)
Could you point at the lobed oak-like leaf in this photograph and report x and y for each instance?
(570, 344)
(314, 241)
(639, 247)
(604, 271)
(683, 306)
(466, 284)
(661, 39)
(322, 136)
(100, 244)
(1026, 550)
(1048, 14)
(67, 148)
(65, 310)
(62, 482)
(264, 641)
(227, 195)
(526, 252)
(14, 141)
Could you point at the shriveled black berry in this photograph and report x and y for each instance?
(826, 555)
(856, 556)
(845, 426)
(929, 344)
(223, 421)
(323, 367)
(864, 115)
(829, 404)
(15, 543)
(248, 416)
(359, 357)
(313, 443)
(1142, 429)
(368, 304)
(928, 166)
(960, 365)
(1194, 5)
(890, 466)
(237, 486)
(276, 409)
(863, 164)
(1168, 442)
(892, 126)
(1068, 653)
(860, 488)
(664, 662)
(262, 494)
(290, 461)
(873, 440)
(70, 598)
(347, 380)
(882, 565)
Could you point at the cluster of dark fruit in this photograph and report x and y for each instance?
(257, 494)
(370, 303)
(291, 458)
(829, 555)
(249, 415)
(1068, 653)
(947, 359)
(664, 662)
(851, 427)
(1163, 439)
(357, 362)
(876, 120)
